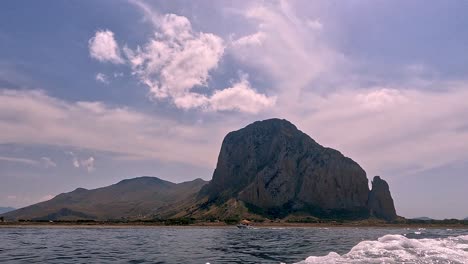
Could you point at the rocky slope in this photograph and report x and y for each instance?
(274, 169)
(380, 200)
(138, 198)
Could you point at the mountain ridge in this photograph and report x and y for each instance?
(127, 199)
(268, 169)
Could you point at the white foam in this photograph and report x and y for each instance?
(399, 249)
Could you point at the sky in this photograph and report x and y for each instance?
(93, 92)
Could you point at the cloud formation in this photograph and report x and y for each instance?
(18, 160)
(175, 62)
(289, 50)
(242, 97)
(88, 163)
(370, 122)
(389, 129)
(385, 129)
(101, 77)
(104, 48)
(176, 59)
(135, 135)
(48, 162)
(45, 162)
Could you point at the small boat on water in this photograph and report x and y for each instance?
(245, 224)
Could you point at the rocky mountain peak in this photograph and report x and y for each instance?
(380, 200)
(274, 167)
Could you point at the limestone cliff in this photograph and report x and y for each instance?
(276, 169)
(380, 200)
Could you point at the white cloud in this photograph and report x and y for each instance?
(88, 164)
(242, 97)
(382, 128)
(118, 74)
(48, 162)
(101, 77)
(19, 160)
(255, 39)
(97, 126)
(74, 159)
(381, 98)
(285, 50)
(178, 59)
(314, 24)
(43, 161)
(104, 48)
(386, 129)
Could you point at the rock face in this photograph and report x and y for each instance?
(276, 169)
(380, 200)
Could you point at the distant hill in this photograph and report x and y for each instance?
(422, 218)
(133, 198)
(6, 209)
(466, 218)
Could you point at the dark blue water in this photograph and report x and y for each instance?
(188, 245)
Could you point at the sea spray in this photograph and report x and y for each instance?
(400, 249)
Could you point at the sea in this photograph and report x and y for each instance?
(232, 245)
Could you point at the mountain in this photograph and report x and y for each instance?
(6, 209)
(133, 198)
(271, 168)
(466, 218)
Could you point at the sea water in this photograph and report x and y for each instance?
(231, 245)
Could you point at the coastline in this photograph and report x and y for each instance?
(223, 225)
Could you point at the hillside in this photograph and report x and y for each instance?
(133, 198)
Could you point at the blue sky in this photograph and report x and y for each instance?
(92, 92)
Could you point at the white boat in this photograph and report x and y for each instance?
(244, 224)
(241, 226)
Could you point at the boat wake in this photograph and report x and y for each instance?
(400, 249)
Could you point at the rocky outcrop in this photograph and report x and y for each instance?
(276, 169)
(380, 200)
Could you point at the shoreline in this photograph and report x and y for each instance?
(222, 225)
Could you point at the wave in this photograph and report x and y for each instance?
(400, 249)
